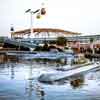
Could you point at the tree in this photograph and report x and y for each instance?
(45, 47)
(91, 44)
(91, 40)
(1, 39)
(61, 41)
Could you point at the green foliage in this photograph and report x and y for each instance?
(38, 48)
(42, 48)
(52, 42)
(91, 40)
(1, 39)
(61, 41)
(45, 47)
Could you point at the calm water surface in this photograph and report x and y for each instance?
(18, 82)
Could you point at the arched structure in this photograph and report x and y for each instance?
(46, 32)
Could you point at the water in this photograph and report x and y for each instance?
(18, 82)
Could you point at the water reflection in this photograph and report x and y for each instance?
(20, 81)
(34, 85)
(77, 81)
(12, 71)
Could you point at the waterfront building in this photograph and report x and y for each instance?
(43, 33)
(48, 35)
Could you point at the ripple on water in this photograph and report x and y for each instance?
(14, 84)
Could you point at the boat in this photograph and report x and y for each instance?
(60, 75)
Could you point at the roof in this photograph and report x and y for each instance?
(39, 30)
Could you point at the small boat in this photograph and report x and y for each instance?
(57, 76)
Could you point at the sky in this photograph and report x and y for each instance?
(81, 16)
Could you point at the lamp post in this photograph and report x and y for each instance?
(39, 12)
(31, 18)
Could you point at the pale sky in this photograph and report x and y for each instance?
(73, 15)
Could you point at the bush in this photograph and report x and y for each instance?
(61, 41)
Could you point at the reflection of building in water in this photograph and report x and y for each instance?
(39, 91)
(37, 88)
(34, 85)
(11, 66)
(1, 58)
(12, 71)
(77, 81)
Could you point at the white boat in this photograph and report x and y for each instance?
(49, 78)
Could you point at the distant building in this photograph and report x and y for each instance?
(43, 33)
(75, 40)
